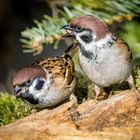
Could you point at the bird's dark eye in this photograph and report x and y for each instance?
(78, 29)
(29, 82)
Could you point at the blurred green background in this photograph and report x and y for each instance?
(33, 27)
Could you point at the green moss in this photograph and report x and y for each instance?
(12, 109)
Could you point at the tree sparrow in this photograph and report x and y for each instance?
(47, 82)
(104, 57)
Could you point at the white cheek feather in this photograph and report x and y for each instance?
(108, 68)
(46, 85)
(47, 94)
(78, 38)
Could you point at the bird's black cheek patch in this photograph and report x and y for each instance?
(86, 38)
(39, 85)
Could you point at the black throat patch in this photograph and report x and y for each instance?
(29, 98)
(87, 54)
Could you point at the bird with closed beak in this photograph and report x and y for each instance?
(104, 57)
(47, 82)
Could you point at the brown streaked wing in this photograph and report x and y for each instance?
(62, 67)
(125, 50)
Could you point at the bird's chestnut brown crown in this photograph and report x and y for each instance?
(88, 22)
(26, 74)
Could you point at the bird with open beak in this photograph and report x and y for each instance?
(104, 57)
(47, 82)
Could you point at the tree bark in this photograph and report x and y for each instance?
(116, 118)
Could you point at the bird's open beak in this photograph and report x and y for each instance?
(20, 91)
(70, 31)
(18, 95)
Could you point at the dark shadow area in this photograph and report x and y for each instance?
(15, 16)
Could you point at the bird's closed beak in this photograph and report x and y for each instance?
(70, 31)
